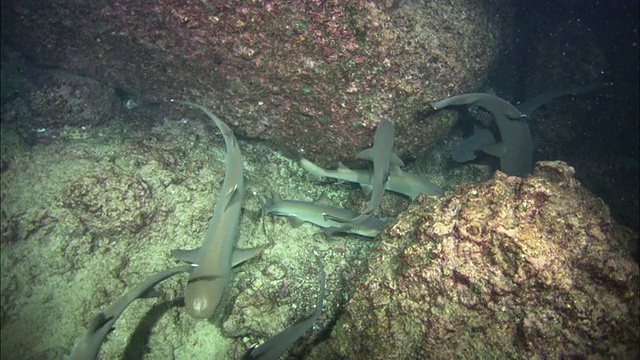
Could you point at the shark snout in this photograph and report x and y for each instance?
(201, 307)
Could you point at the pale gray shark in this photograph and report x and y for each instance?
(487, 101)
(322, 213)
(399, 181)
(89, 344)
(484, 139)
(382, 156)
(275, 346)
(217, 254)
(516, 148)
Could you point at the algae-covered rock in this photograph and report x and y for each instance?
(312, 77)
(507, 268)
(110, 201)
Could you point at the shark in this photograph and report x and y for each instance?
(487, 101)
(322, 214)
(274, 347)
(382, 156)
(466, 149)
(483, 138)
(399, 181)
(516, 148)
(217, 255)
(88, 346)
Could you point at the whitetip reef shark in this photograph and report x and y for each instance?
(516, 148)
(322, 213)
(399, 181)
(483, 138)
(89, 344)
(382, 156)
(275, 346)
(487, 101)
(217, 255)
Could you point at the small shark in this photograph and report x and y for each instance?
(516, 148)
(487, 101)
(275, 346)
(382, 156)
(484, 139)
(89, 344)
(217, 255)
(322, 213)
(399, 181)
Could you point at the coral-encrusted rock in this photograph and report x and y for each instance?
(508, 268)
(310, 76)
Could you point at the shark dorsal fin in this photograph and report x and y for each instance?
(395, 160)
(366, 154)
(341, 166)
(234, 196)
(323, 199)
(395, 169)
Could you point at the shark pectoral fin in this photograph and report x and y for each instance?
(188, 256)
(241, 255)
(395, 160)
(333, 231)
(494, 149)
(365, 154)
(295, 222)
(366, 189)
(465, 150)
(234, 196)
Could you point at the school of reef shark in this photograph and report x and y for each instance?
(209, 266)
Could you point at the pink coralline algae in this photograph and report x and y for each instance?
(312, 77)
(508, 268)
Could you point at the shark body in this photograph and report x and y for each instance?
(322, 214)
(516, 148)
(217, 255)
(483, 139)
(89, 344)
(382, 156)
(484, 100)
(399, 181)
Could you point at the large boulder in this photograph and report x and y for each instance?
(313, 77)
(507, 268)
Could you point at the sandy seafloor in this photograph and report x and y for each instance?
(60, 266)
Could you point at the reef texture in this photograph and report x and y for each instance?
(507, 268)
(313, 77)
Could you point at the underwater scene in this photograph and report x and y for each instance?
(306, 179)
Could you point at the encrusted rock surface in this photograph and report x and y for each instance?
(313, 77)
(507, 268)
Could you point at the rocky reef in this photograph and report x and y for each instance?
(278, 71)
(506, 268)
